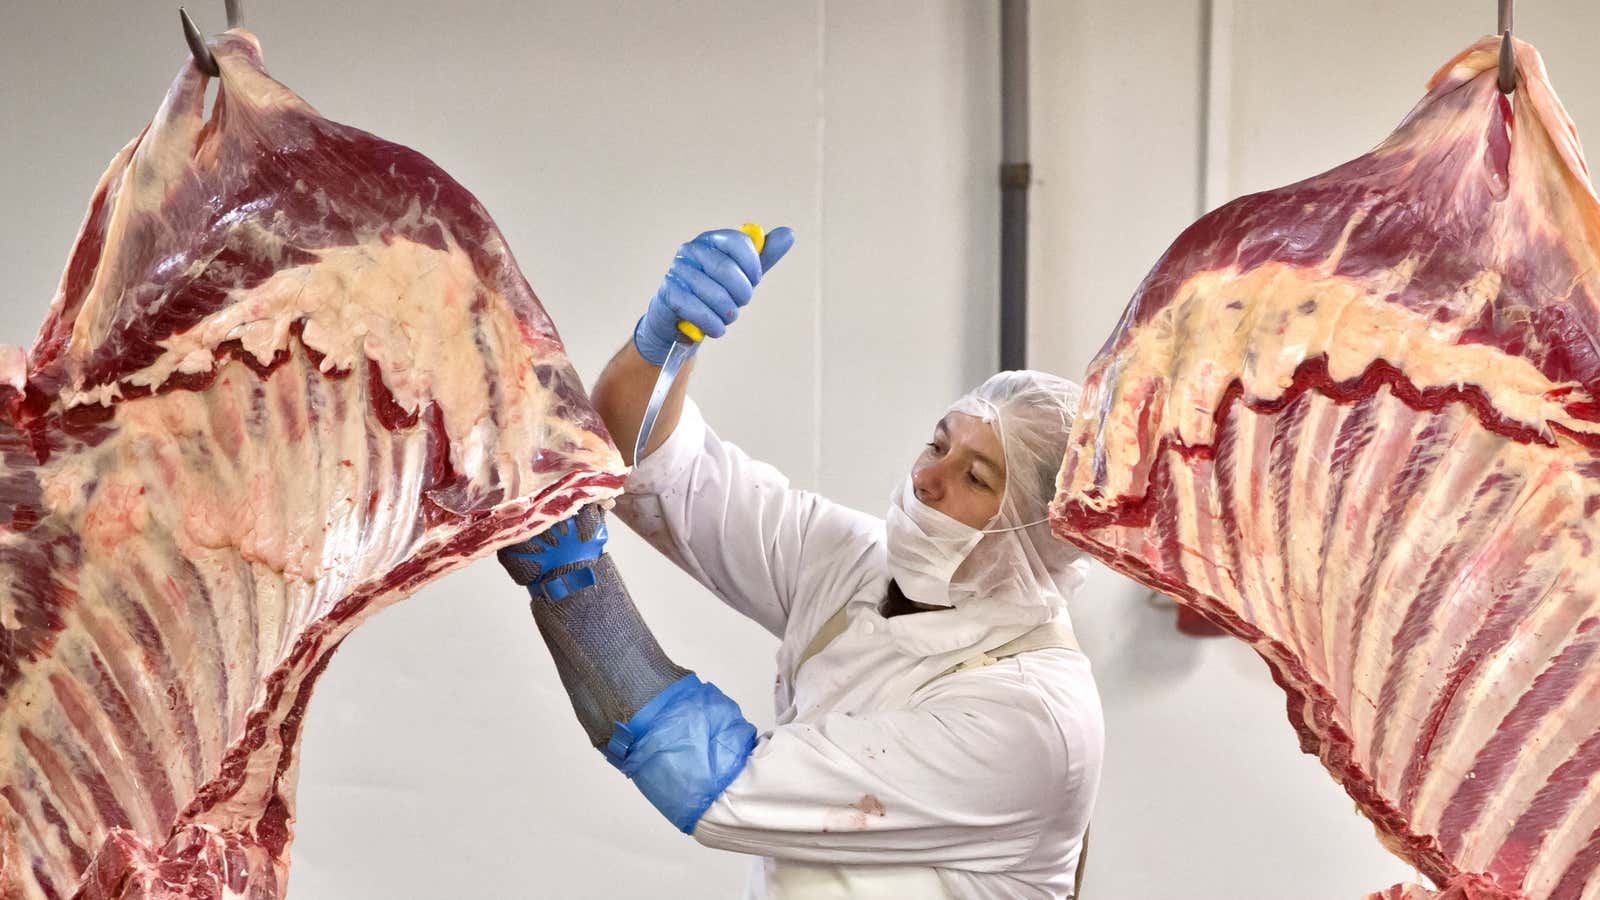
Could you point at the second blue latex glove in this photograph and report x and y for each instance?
(711, 278)
(552, 564)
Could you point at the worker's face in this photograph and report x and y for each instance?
(962, 471)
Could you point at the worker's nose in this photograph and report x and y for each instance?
(928, 484)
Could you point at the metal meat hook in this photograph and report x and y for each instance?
(197, 44)
(1507, 80)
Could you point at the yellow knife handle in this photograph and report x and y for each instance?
(757, 237)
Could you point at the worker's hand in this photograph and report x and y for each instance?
(711, 279)
(541, 562)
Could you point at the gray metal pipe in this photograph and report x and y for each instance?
(1016, 173)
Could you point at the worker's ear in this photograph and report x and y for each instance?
(777, 244)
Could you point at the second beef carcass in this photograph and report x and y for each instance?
(1354, 421)
(291, 375)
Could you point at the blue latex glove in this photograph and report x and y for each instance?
(545, 562)
(710, 280)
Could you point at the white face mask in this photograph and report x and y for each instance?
(925, 547)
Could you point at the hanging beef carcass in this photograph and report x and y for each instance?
(1354, 422)
(291, 375)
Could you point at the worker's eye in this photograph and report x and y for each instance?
(936, 447)
(979, 483)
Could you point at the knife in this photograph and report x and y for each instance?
(684, 345)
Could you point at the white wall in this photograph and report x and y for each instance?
(440, 757)
(1205, 792)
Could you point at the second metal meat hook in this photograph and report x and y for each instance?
(203, 59)
(1507, 79)
(197, 44)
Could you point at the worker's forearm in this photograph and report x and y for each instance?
(679, 739)
(622, 392)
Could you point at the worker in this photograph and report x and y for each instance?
(938, 732)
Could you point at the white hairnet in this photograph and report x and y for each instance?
(1019, 562)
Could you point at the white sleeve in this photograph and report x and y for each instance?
(967, 781)
(736, 525)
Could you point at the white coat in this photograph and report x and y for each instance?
(882, 779)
